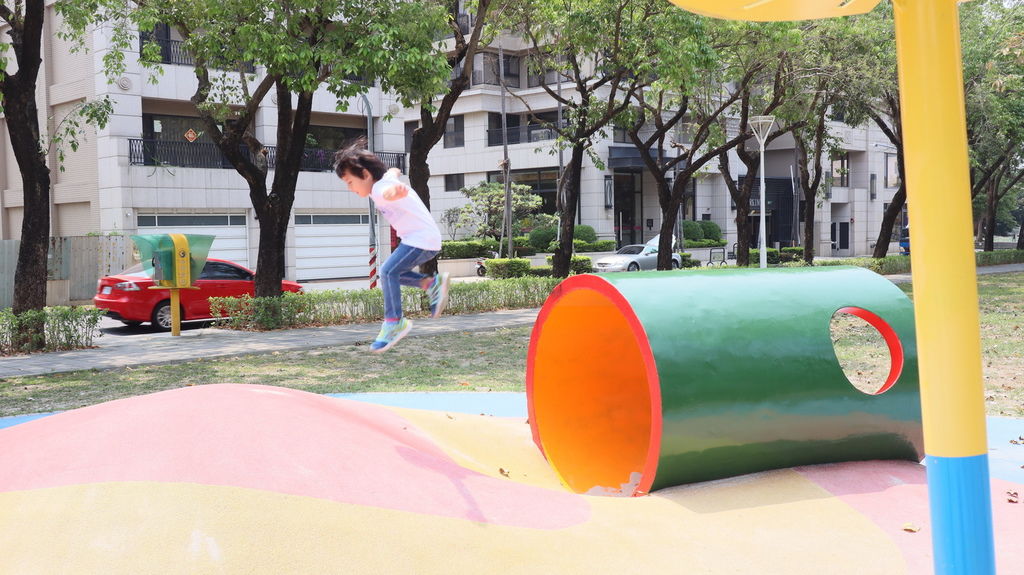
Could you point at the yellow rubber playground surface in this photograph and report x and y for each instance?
(251, 479)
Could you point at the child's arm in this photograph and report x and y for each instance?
(396, 191)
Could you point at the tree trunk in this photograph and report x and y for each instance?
(30, 274)
(741, 197)
(991, 203)
(669, 215)
(810, 238)
(1020, 237)
(419, 178)
(571, 186)
(22, 115)
(899, 199)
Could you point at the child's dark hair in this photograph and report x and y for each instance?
(353, 158)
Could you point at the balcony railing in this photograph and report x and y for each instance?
(173, 52)
(207, 155)
(521, 134)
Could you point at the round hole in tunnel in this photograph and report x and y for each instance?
(867, 348)
(593, 390)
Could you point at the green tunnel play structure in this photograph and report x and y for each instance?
(641, 381)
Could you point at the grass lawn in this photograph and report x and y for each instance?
(489, 361)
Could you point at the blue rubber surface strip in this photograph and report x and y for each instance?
(960, 498)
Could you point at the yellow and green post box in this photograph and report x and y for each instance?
(173, 261)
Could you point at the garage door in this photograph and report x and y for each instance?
(231, 243)
(331, 246)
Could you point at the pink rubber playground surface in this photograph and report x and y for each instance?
(231, 478)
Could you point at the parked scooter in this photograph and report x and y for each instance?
(481, 267)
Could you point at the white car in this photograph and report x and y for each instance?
(634, 258)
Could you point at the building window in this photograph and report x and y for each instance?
(515, 133)
(841, 170)
(487, 71)
(330, 219)
(892, 171)
(189, 220)
(454, 135)
(543, 182)
(621, 136)
(705, 217)
(332, 137)
(454, 182)
(410, 127)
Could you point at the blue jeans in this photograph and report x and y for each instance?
(397, 272)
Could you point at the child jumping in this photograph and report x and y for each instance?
(366, 175)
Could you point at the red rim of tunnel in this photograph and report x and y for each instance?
(891, 340)
(605, 288)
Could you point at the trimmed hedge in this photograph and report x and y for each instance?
(773, 257)
(600, 246)
(456, 250)
(583, 246)
(704, 243)
(577, 265)
(507, 268)
(348, 306)
(64, 328)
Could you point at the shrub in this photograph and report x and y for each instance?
(704, 243)
(541, 238)
(540, 271)
(688, 261)
(453, 250)
(581, 265)
(507, 268)
(773, 257)
(711, 230)
(585, 233)
(999, 257)
(491, 245)
(692, 230)
(577, 265)
(791, 254)
(63, 328)
(601, 246)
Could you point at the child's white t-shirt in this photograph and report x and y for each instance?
(410, 218)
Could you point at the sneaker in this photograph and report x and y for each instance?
(390, 333)
(438, 294)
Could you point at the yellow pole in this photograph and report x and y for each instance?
(945, 284)
(175, 311)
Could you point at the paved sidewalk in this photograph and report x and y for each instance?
(113, 352)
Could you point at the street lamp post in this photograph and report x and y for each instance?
(761, 125)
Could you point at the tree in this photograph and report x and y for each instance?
(31, 146)
(994, 94)
(697, 85)
(836, 57)
(295, 48)
(596, 47)
(434, 119)
(772, 90)
(485, 212)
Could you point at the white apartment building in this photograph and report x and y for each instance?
(152, 170)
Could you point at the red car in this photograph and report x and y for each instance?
(127, 297)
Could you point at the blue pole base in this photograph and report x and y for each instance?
(959, 495)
